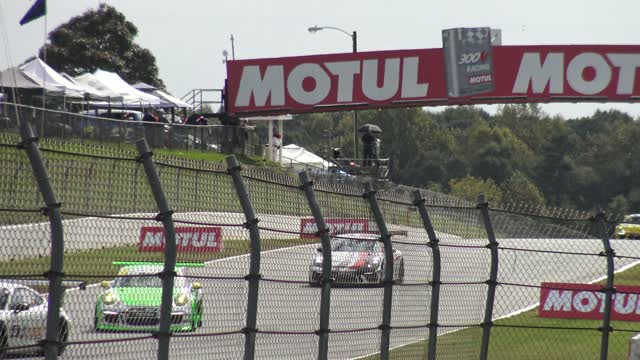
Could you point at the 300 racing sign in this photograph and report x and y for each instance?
(418, 78)
(188, 239)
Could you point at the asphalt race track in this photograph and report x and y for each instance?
(293, 307)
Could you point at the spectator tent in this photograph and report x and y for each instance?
(43, 75)
(299, 158)
(110, 83)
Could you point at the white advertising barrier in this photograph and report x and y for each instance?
(29, 240)
(634, 348)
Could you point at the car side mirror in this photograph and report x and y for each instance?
(196, 286)
(20, 307)
(105, 284)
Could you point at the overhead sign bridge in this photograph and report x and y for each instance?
(430, 77)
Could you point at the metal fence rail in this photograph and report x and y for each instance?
(242, 263)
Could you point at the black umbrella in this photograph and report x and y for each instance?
(370, 128)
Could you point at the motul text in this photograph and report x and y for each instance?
(188, 239)
(586, 301)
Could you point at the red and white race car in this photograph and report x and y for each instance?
(357, 258)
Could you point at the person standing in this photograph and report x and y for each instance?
(368, 144)
(277, 144)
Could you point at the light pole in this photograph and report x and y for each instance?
(354, 40)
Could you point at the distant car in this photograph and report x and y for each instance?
(356, 258)
(23, 319)
(629, 228)
(132, 303)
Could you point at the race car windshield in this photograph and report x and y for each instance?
(631, 219)
(353, 245)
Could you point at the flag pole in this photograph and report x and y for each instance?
(44, 76)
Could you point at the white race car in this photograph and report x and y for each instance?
(357, 258)
(23, 319)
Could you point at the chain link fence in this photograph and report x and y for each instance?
(109, 253)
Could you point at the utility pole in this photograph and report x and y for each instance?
(233, 49)
(354, 38)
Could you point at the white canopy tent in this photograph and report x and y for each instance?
(114, 82)
(170, 101)
(43, 75)
(89, 81)
(299, 158)
(112, 85)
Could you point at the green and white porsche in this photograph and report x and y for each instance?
(132, 301)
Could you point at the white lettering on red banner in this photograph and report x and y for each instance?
(188, 239)
(381, 79)
(586, 301)
(309, 228)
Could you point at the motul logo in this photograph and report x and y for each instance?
(587, 73)
(309, 228)
(558, 300)
(310, 83)
(188, 239)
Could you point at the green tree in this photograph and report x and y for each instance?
(618, 205)
(520, 189)
(469, 188)
(101, 39)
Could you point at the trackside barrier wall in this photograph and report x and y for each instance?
(243, 229)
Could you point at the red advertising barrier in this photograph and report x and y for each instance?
(586, 301)
(188, 239)
(309, 228)
(544, 73)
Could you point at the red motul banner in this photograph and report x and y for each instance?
(188, 239)
(586, 301)
(544, 73)
(309, 228)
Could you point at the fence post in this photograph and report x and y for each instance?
(168, 272)
(609, 290)
(52, 210)
(419, 201)
(385, 237)
(254, 276)
(493, 276)
(327, 280)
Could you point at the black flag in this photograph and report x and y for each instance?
(38, 9)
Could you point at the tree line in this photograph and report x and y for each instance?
(520, 154)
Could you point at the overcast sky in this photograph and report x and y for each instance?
(188, 37)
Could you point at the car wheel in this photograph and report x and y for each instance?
(380, 279)
(400, 279)
(199, 311)
(95, 320)
(63, 336)
(4, 338)
(314, 279)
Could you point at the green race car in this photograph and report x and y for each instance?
(629, 228)
(132, 302)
